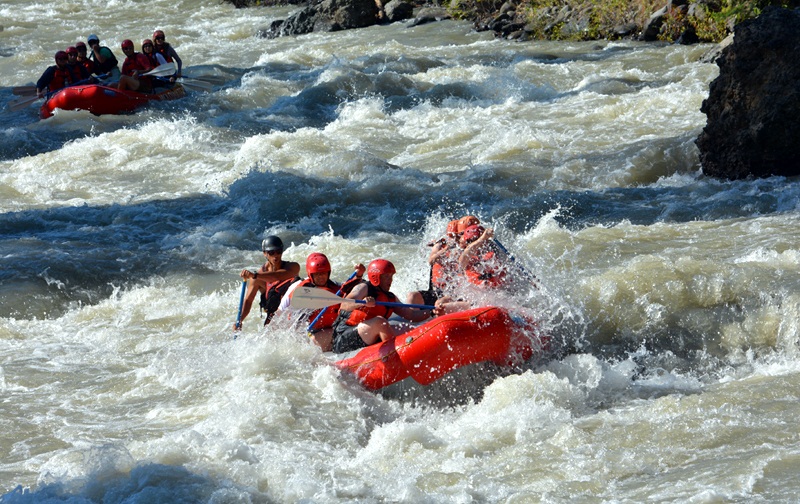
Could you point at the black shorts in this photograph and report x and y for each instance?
(430, 296)
(346, 338)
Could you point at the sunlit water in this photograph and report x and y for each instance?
(121, 238)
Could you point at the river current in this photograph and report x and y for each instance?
(121, 239)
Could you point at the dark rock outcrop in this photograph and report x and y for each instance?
(753, 107)
(324, 16)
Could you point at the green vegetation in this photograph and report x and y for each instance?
(710, 20)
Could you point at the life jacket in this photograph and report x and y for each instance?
(153, 59)
(484, 270)
(137, 61)
(108, 65)
(61, 78)
(164, 50)
(442, 271)
(355, 317)
(329, 317)
(77, 72)
(271, 299)
(88, 64)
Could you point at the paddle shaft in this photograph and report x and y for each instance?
(241, 303)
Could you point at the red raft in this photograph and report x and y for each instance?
(101, 100)
(444, 344)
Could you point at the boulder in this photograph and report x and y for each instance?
(325, 16)
(398, 10)
(753, 106)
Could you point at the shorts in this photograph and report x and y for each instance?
(430, 296)
(346, 338)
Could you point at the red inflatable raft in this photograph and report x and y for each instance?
(101, 100)
(444, 344)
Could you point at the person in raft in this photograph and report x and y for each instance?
(133, 67)
(443, 262)
(362, 324)
(318, 268)
(79, 72)
(104, 60)
(166, 50)
(274, 271)
(480, 261)
(55, 77)
(82, 58)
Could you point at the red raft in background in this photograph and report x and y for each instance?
(101, 100)
(445, 344)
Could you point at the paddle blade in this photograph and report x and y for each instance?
(197, 85)
(15, 105)
(162, 70)
(311, 298)
(24, 90)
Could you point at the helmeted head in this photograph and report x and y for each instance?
(92, 39)
(272, 244)
(158, 35)
(317, 263)
(472, 233)
(465, 222)
(147, 43)
(71, 51)
(377, 268)
(127, 44)
(452, 228)
(80, 47)
(61, 56)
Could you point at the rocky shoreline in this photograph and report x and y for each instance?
(681, 21)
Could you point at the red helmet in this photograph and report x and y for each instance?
(127, 43)
(71, 50)
(465, 222)
(317, 263)
(61, 55)
(472, 233)
(158, 33)
(377, 268)
(146, 41)
(79, 45)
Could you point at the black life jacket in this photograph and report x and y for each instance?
(272, 298)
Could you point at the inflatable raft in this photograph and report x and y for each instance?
(445, 344)
(101, 100)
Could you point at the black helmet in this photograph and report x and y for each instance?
(271, 243)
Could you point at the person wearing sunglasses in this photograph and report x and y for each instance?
(274, 271)
(166, 50)
(104, 59)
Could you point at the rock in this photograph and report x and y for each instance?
(429, 15)
(753, 107)
(398, 10)
(325, 16)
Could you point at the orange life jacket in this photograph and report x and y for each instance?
(484, 270)
(61, 78)
(363, 313)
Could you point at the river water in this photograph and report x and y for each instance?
(121, 238)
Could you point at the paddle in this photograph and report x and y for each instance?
(238, 326)
(320, 314)
(15, 105)
(205, 87)
(23, 90)
(211, 79)
(162, 70)
(312, 298)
